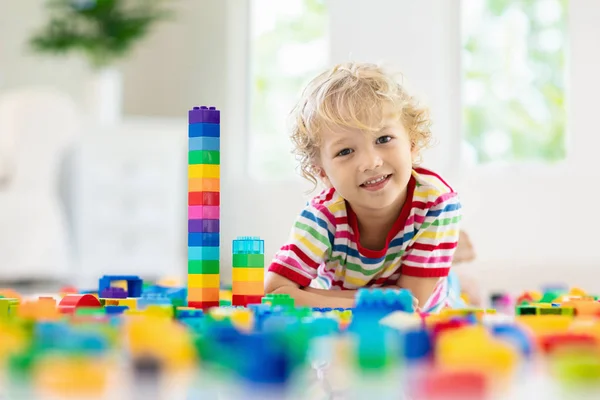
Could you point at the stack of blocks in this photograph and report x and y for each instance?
(203, 207)
(248, 271)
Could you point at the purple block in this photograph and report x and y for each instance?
(204, 114)
(203, 226)
(113, 293)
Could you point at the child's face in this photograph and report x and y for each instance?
(369, 171)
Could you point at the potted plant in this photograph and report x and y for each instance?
(104, 32)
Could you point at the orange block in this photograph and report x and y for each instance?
(204, 185)
(248, 288)
(203, 294)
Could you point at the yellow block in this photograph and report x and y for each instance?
(203, 280)
(131, 302)
(204, 171)
(248, 274)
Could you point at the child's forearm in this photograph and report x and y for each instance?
(308, 298)
(344, 294)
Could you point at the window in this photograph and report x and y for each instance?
(289, 46)
(514, 74)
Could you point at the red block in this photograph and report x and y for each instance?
(70, 302)
(448, 385)
(242, 300)
(446, 325)
(204, 199)
(203, 305)
(557, 341)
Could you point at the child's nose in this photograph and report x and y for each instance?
(371, 160)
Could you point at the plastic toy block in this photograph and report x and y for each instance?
(131, 303)
(559, 341)
(248, 288)
(204, 171)
(203, 281)
(113, 293)
(204, 198)
(204, 130)
(187, 312)
(115, 310)
(203, 305)
(203, 253)
(204, 185)
(388, 300)
(203, 294)
(278, 299)
(241, 260)
(204, 212)
(204, 143)
(204, 157)
(516, 335)
(8, 306)
(439, 385)
(70, 302)
(550, 311)
(248, 274)
(527, 310)
(243, 301)
(201, 114)
(203, 267)
(248, 245)
(203, 226)
(203, 239)
(134, 284)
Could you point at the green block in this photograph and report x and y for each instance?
(527, 310)
(279, 299)
(248, 260)
(87, 311)
(549, 297)
(550, 311)
(204, 157)
(224, 303)
(4, 307)
(203, 266)
(567, 311)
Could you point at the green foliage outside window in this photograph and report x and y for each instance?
(288, 46)
(514, 68)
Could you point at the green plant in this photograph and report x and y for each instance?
(103, 30)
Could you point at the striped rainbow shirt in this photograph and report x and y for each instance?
(324, 251)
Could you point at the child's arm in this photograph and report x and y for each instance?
(421, 288)
(275, 283)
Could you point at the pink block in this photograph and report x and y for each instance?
(203, 212)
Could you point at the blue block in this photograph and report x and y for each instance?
(203, 253)
(203, 239)
(248, 245)
(134, 283)
(204, 143)
(416, 344)
(204, 130)
(115, 310)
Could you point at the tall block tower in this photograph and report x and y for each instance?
(204, 202)
(248, 271)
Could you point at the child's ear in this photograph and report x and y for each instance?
(320, 172)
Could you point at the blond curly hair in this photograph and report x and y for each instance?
(353, 95)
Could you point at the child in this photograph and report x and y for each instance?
(381, 221)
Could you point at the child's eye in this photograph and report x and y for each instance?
(383, 139)
(344, 152)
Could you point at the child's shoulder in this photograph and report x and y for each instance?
(430, 187)
(328, 201)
